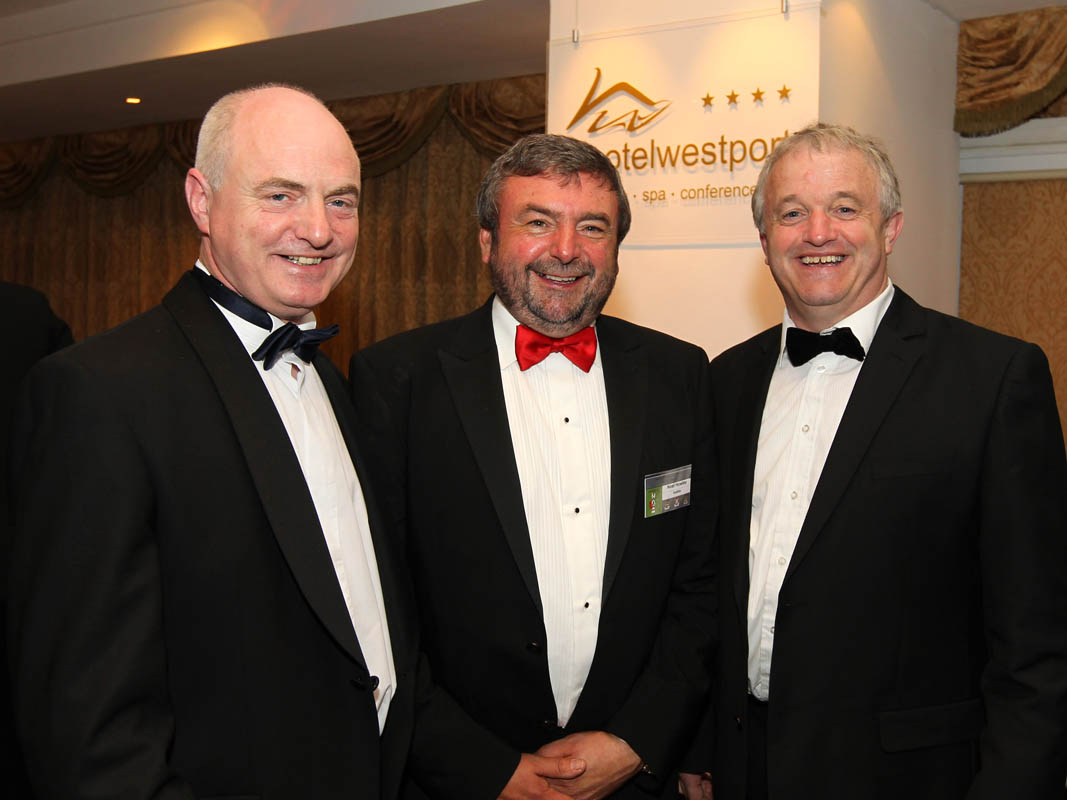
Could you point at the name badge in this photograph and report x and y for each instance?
(668, 490)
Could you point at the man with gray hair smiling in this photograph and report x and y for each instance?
(893, 529)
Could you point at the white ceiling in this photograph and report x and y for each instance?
(66, 65)
(451, 41)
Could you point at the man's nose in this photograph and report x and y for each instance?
(820, 228)
(565, 245)
(314, 225)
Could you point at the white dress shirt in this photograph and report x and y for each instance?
(558, 417)
(804, 407)
(305, 410)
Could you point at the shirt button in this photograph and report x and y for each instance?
(806, 428)
(566, 419)
(793, 495)
(820, 368)
(587, 604)
(577, 510)
(772, 629)
(781, 562)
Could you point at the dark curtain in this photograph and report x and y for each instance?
(98, 222)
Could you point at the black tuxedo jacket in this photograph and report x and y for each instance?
(920, 645)
(176, 625)
(33, 331)
(472, 561)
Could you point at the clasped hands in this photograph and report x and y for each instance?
(586, 766)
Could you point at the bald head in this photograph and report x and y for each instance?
(215, 141)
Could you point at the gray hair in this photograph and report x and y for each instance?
(821, 137)
(548, 154)
(213, 142)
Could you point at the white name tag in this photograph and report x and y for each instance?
(668, 490)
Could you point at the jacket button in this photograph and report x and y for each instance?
(533, 647)
(550, 725)
(370, 683)
(738, 721)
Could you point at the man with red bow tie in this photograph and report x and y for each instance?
(564, 616)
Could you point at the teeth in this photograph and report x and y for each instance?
(554, 279)
(822, 259)
(303, 261)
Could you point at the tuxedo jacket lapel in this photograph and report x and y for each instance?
(271, 460)
(898, 344)
(472, 370)
(751, 396)
(626, 387)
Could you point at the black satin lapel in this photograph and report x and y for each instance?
(883, 374)
(271, 459)
(626, 386)
(398, 602)
(478, 393)
(751, 397)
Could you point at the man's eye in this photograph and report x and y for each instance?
(279, 198)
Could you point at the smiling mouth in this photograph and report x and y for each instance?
(814, 260)
(303, 261)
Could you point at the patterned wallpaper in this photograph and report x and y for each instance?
(1013, 266)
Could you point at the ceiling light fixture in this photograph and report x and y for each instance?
(133, 100)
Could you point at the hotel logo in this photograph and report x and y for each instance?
(631, 120)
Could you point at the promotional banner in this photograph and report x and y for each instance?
(688, 113)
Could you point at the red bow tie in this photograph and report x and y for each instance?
(532, 347)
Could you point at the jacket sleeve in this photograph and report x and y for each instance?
(1022, 531)
(86, 646)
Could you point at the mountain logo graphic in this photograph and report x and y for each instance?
(631, 120)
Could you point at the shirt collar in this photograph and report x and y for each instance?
(504, 325)
(252, 335)
(864, 322)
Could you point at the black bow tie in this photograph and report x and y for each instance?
(802, 346)
(287, 337)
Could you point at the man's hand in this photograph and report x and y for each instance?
(695, 787)
(530, 780)
(610, 762)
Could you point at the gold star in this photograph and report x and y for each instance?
(757, 96)
(732, 97)
(707, 100)
(783, 93)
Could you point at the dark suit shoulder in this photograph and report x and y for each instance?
(613, 329)
(409, 347)
(969, 345)
(134, 343)
(762, 343)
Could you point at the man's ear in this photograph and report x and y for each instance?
(893, 226)
(198, 196)
(485, 241)
(763, 244)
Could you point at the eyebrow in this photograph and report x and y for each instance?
(279, 183)
(599, 217)
(793, 198)
(294, 186)
(350, 188)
